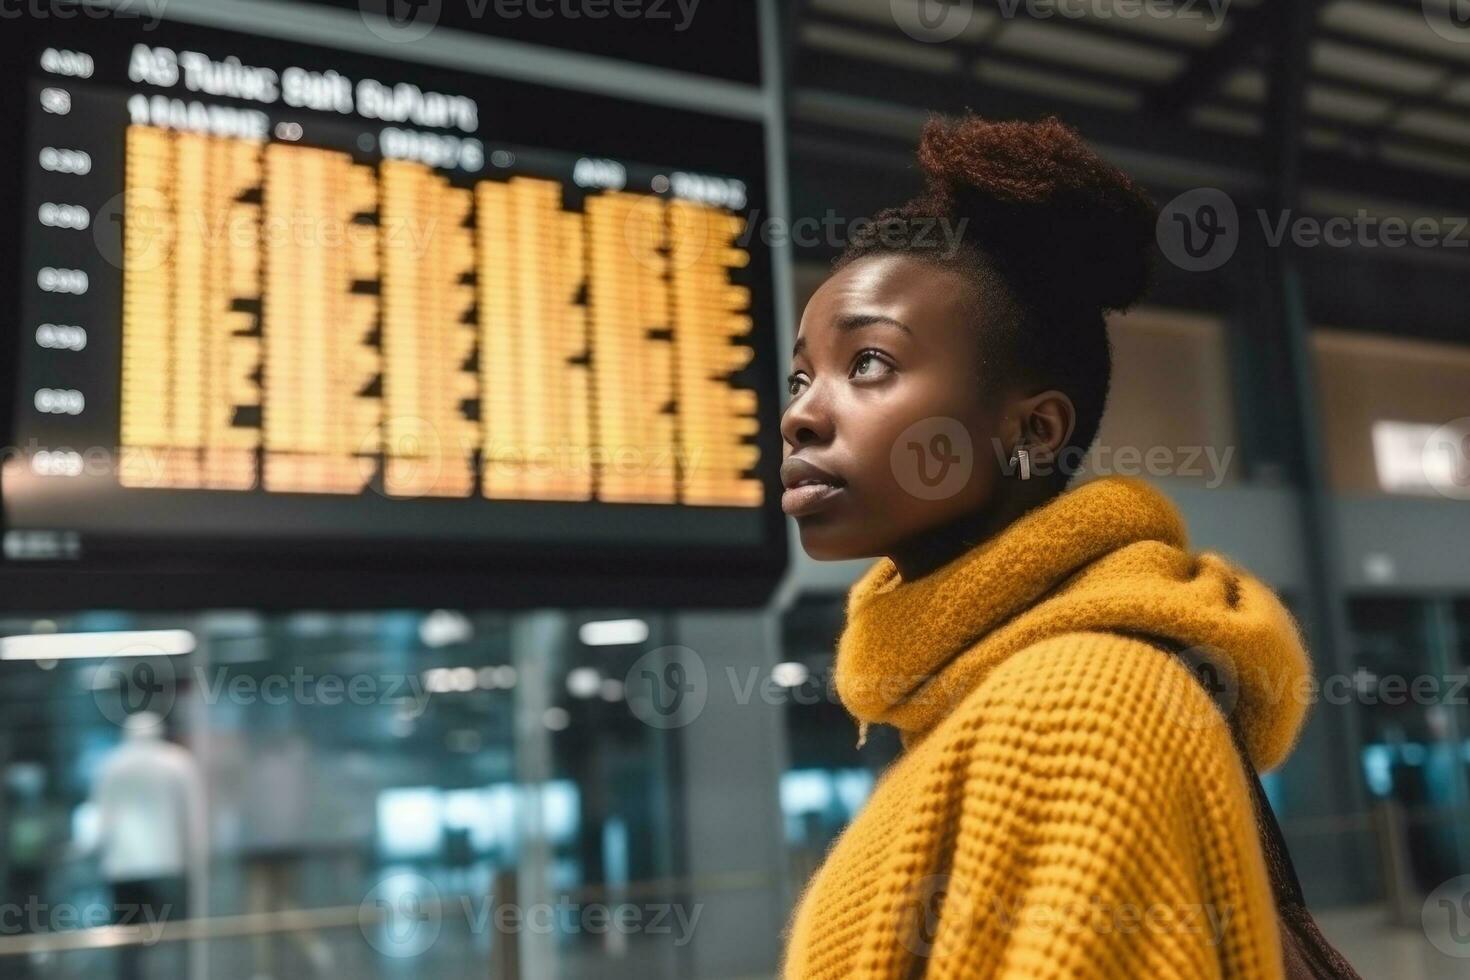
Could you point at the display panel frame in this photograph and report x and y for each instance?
(262, 568)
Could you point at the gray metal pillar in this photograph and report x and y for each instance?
(537, 639)
(732, 751)
(1333, 736)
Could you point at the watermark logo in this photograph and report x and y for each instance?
(401, 21)
(1214, 670)
(1199, 230)
(1445, 917)
(135, 688)
(667, 687)
(400, 916)
(1446, 459)
(1450, 19)
(933, 458)
(131, 230)
(412, 453)
(932, 21)
(936, 899)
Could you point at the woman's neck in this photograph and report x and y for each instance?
(937, 546)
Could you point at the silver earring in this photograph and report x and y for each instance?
(1022, 458)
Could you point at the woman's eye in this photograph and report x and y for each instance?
(792, 381)
(870, 357)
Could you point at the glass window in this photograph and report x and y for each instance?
(391, 793)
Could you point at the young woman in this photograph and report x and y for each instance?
(1069, 801)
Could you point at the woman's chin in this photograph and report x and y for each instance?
(825, 540)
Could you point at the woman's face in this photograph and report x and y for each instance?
(887, 406)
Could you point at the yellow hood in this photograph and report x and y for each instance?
(1110, 554)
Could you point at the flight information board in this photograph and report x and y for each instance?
(280, 296)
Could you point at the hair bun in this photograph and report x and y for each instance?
(1068, 227)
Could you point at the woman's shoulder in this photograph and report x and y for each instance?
(1101, 693)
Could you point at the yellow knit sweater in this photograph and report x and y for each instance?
(1069, 801)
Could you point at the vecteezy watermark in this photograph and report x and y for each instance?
(1450, 19)
(141, 229)
(1215, 675)
(667, 687)
(134, 686)
(1445, 917)
(406, 21)
(1445, 459)
(934, 234)
(152, 10)
(302, 687)
(404, 914)
(933, 458)
(937, 21)
(146, 921)
(1209, 463)
(1200, 230)
(401, 21)
(941, 915)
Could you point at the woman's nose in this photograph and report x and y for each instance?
(807, 418)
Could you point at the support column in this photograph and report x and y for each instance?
(537, 641)
(732, 752)
(1333, 739)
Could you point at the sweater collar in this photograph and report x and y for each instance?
(1106, 555)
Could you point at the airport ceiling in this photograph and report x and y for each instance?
(1384, 107)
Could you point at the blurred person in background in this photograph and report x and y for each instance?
(1070, 800)
(149, 795)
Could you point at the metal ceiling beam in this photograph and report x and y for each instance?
(839, 75)
(1249, 28)
(1426, 57)
(1364, 137)
(970, 55)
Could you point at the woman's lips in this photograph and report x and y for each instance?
(809, 498)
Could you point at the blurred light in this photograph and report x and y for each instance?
(583, 682)
(1378, 567)
(613, 632)
(464, 741)
(462, 679)
(791, 673)
(806, 790)
(72, 646)
(442, 627)
(46, 664)
(612, 689)
(854, 786)
(1402, 458)
(410, 822)
(556, 719)
(505, 675)
(86, 826)
(437, 680)
(311, 624)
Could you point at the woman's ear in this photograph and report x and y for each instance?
(1047, 421)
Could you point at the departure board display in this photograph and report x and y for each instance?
(277, 295)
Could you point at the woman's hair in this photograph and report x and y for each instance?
(1051, 236)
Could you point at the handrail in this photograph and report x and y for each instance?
(341, 916)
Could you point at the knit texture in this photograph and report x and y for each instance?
(1069, 802)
